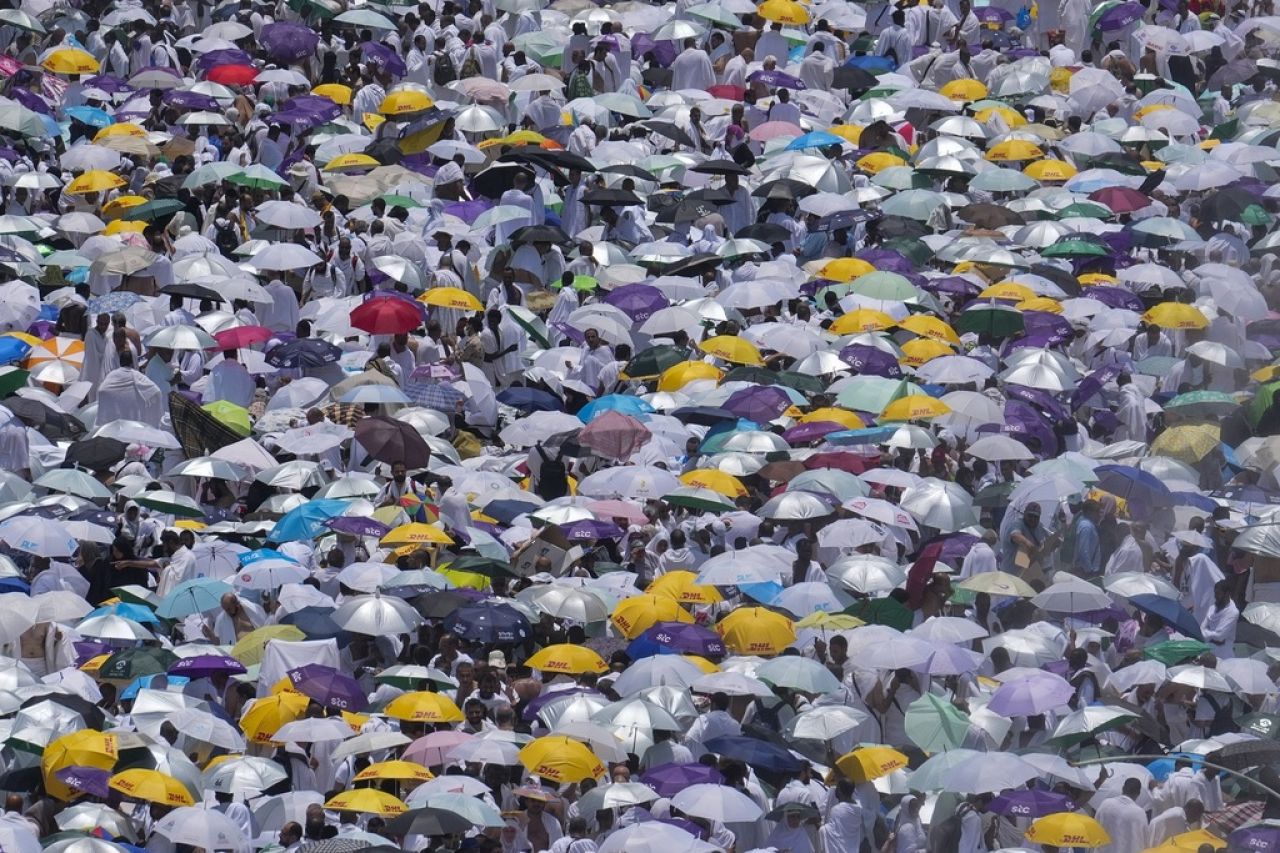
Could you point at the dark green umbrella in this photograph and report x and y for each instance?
(1085, 209)
(1262, 725)
(128, 664)
(910, 248)
(481, 566)
(991, 318)
(801, 382)
(159, 208)
(882, 611)
(1255, 215)
(1074, 247)
(1172, 652)
(654, 361)
(994, 495)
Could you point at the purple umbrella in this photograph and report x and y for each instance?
(467, 211)
(670, 779)
(810, 432)
(955, 546)
(1021, 52)
(638, 301)
(1057, 328)
(31, 101)
(588, 529)
(384, 57)
(1041, 399)
(1031, 803)
(956, 285)
(1262, 838)
(1023, 422)
(286, 42)
(189, 100)
(329, 687)
(1115, 297)
(677, 638)
(664, 51)
(535, 705)
(355, 525)
(226, 56)
(992, 14)
(570, 332)
(870, 361)
(88, 780)
(1031, 696)
(301, 121)
(108, 83)
(887, 260)
(203, 666)
(1119, 17)
(86, 651)
(1092, 384)
(761, 403)
(777, 79)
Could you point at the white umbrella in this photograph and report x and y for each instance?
(376, 615)
(867, 574)
(717, 802)
(200, 827)
(180, 338)
(207, 728)
(314, 730)
(999, 448)
(40, 536)
(824, 723)
(654, 837)
(656, 671)
(284, 256)
(287, 214)
(940, 504)
(565, 602)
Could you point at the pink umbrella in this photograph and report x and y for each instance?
(614, 435)
(606, 510)
(430, 749)
(243, 336)
(774, 129)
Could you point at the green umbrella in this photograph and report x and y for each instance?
(1075, 248)
(901, 178)
(211, 173)
(934, 724)
(802, 382)
(1002, 181)
(134, 594)
(913, 249)
(705, 500)
(1263, 399)
(1156, 365)
(1172, 652)
(128, 664)
(889, 286)
(882, 611)
(1226, 131)
(258, 177)
(529, 321)
(169, 502)
(481, 566)
(1086, 210)
(156, 209)
(394, 200)
(1262, 725)
(716, 14)
(873, 393)
(1000, 321)
(918, 204)
(11, 379)
(653, 361)
(1204, 402)
(994, 495)
(324, 9)
(1255, 215)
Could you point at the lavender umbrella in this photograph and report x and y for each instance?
(777, 79)
(301, 121)
(669, 779)
(1057, 328)
(664, 51)
(226, 56)
(384, 58)
(1264, 838)
(467, 211)
(806, 433)
(1030, 696)
(1042, 400)
(203, 666)
(355, 525)
(761, 403)
(286, 42)
(1031, 803)
(329, 687)
(88, 780)
(108, 83)
(589, 529)
(316, 104)
(677, 638)
(870, 361)
(639, 301)
(1116, 297)
(955, 285)
(189, 100)
(31, 101)
(1119, 17)
(992, 15)
(1092, 384)
(1023, 423)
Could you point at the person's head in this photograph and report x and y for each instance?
(475, 712)
(719, 701)
(230, 604)
(1092, 510)
(399, 471)
(1031, 515)
(1222, 592)
(1132, 787)
(592, 337)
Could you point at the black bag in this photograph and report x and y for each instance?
(945, 838)
(553, 478)
(226, 239)
(1223, 721)
(445, 71)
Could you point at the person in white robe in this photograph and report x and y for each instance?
(818, 70)
(1219, 623)
(981, 557)
(1131, 556)
(1132, 411)
(125, 394)
(1124, 820)
(1195, 574)
(1073, 19)
(692, 68)
(1175, 821)
(99, 354)
(282, 314)
(230, 381)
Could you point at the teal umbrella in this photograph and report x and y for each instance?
(200, 595)
(1204, 402)
(1075, 248)
(1085, 210)
(1003, 181)
(916, 204)
(934, 724)
(874, 393)
(211, 173)
(258, 177)
(156, 209)
(889, 286)
(1000, 321)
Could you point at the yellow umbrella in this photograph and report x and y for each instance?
(567, 658)
(451, 297)
(877, 161)
(30, 340)
(701, 663)
(870, 762)
(732, 348)
(367, 800)
(1008, 290)
(917, 407)
(231, 415)
(1189, 443)
(1176, 315)
(635, 615)
(1189, 842)
(423, 706)
(683, 586)
(965, 89)
(1060, 80)
(715, 480)
(85, 748)
(831, 415)
(1050, 170)
(70, 60)
(461, 579)
(756, 631)
(998, 583)
(1041, 303)
(410, 770)
(850, 132)
(1011, 117)
(845, 269)
(151, 785)
(1068, 829)
(1014, 150)
(250, 648)
(124, 128)
(679, 375)
(832, 621)
(269, 713)
(783, 12)
(125, 226)
(372, 120)
(336, 92)
(561, 760)
(1097, 278)
(930, 327)
(120, 205)
(404, 102)
(417, 533)
(94, 181)
(352, 161)
(862, 320)
(916, 352)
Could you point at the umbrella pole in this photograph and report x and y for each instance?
(1235, 773)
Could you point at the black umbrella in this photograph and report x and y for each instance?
(49, 422)
(92, 714)
(718, 196)
(193, 291)
(96, 454)
(499, 178)
(540, 234)
(389, 440)
(429, 821)
(693, 264)
(889, 227)
(631, 171)
(787, 188)
(1251, 753)
(765, 232)
(199, 432)
(853, 79)
(657, 77)
(439, 604)
(1225, 205)
(719, 167)
(1063, 278)
(669, 130)
(606, 197)
(688, 210)
(549, 159)
(303, 352)
(317, 623)
(1124, 163)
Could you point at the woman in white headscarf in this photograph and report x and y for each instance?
(908, 832)
(708, 242)
(791, 834)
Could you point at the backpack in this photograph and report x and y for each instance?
(470, 66)
(553, 478)
(1077, 681)
(226, 239)
(1223, 721)
(579, 86)
(945, 838)
(445, 71)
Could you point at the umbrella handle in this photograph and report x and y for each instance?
(1235, 773)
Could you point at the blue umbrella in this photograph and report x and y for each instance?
(264, 554)
(117, 300)
(530, 400)
(303, 352)
(136, 612)
(489, 622)
(757, 753)
(633, 406)
(160, 680)
(1173, 613)
(317, 623)
(13, 349)
(91, 116)
(1133, 484)
(814, 139)
(306, 521)
(869, 435)
(199, 595)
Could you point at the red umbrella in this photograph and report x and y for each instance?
(387, 315)
(232, 75)
(243, 336)
(614, 435)
(729, 93)
(1120, 199)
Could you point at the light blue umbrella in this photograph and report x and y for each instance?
(136, 612)
(91, 116)
(814, 139)
(307, 521)
(633, 406)
(199, 595)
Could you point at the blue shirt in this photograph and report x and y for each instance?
(1088, 547)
